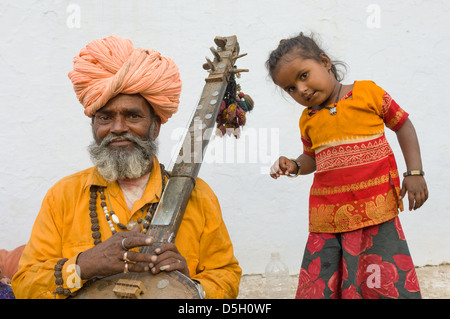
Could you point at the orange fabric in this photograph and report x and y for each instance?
(63, 230)
(110, 66)
(356, 183)
(9, 261)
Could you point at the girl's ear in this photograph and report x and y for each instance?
(325, 60)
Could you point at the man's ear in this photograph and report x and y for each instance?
(157, 127)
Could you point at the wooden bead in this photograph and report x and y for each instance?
(62, 261)
(59, 290)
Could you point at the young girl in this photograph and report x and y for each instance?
(356, 247)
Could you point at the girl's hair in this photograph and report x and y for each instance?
(307, 48)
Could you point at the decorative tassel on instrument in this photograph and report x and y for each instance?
(232, 113)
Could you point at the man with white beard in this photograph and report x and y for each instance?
(91, 222)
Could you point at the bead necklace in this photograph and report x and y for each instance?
(112, 218)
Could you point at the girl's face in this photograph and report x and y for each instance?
(307, 81)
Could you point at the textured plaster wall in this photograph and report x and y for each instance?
(402, 45)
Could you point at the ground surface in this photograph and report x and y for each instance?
(434, 283)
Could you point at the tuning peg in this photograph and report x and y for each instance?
(239, 56)
(239, 70)
(209, 65)
(220, 42)
(215, 53)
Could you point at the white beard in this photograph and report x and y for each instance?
(121, 162)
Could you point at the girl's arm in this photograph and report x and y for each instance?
(415, 185)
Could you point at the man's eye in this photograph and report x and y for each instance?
(103, 118)
(134, 116)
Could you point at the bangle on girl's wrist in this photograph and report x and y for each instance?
(299, 170)
(414, 173)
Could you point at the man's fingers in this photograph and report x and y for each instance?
(135, 240)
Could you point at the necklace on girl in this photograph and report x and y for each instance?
(333, 109)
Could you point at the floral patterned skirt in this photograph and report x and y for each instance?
(370, 263)
(6, 291)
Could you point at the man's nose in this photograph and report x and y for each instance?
(119, 125)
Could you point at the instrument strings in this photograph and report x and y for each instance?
(174, 158)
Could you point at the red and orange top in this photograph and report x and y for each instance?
(356, 183)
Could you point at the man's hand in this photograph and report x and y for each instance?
(167, 258)
(107, 258)
(110, 257)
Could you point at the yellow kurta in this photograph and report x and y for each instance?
(63, 230)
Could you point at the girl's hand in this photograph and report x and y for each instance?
(417, 191)
(283, 166)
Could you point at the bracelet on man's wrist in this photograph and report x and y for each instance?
(414, 173)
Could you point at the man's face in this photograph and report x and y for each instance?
(125, 138)
(124, 114)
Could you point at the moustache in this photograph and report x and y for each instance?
(117, 138)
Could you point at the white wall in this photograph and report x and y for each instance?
(402, 45)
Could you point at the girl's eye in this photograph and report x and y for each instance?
(303, 75)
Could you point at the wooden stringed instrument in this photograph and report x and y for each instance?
(170, 210)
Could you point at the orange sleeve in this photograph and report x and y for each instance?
(35, 278)
(204, 241)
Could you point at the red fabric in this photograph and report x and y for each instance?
(9, 261)
(370, 263)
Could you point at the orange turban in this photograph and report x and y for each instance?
(110, 66)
